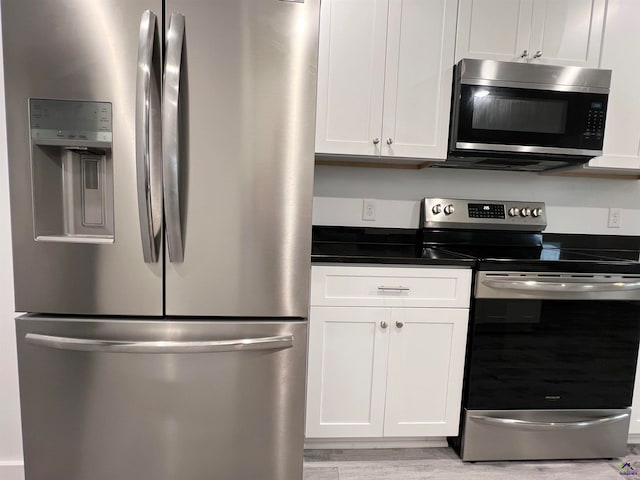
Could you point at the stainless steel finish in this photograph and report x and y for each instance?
(171, 141)
(548, 426)
(103, 277)
(535, 86)
(459, 216)
(538, 54)
(544, 434)
(148, 138)
(383, 324)
(524, 54)
(547, 77)
(130, 346)
(376, 141)
(389, 141)
(230, 415)
(558, 286)
(249, 148)
(494, 147)
(399, 324)
(449, 210)
(393, 289)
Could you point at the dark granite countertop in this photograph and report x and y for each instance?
(378, 246)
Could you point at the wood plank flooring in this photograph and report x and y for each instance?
(444, 464)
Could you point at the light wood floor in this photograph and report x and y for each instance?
(444, 464)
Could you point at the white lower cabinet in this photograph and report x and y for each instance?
(385, 371)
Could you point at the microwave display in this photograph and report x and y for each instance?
(494, 112)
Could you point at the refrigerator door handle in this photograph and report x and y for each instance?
(171, 136)
(125, 346)
(148, 141)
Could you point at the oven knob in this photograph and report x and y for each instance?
(436, 209)
(448, 210)
(514, 211)
(525, 212)
(536, 212)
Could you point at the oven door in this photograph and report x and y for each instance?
(528, 122)
(551, 343)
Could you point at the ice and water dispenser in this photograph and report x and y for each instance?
(72, 170)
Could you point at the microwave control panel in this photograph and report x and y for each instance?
(595, 121)
(483, 214)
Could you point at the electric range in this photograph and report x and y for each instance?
(553, 335)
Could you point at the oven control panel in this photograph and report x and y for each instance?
(483, 214)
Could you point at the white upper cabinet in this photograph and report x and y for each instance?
(384, 77)
(494, 29)
(351, 68)
(622, 132)
(559, 32)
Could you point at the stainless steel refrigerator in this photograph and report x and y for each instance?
(161, 163)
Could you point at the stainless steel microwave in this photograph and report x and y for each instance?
(523, 116)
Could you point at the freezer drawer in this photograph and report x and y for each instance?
(161, 400)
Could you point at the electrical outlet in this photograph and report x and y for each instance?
(615, 218)
(369, 210)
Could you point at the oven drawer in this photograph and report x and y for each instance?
(390, 286)
(544, 434)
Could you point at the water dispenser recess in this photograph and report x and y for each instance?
(72, 170)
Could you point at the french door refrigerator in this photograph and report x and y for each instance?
(161, 163)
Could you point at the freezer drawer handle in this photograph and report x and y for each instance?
(171, 137)
(540, 285)
(124, 346)
(527, 425)
(148, 141)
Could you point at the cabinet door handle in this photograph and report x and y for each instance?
(399, 324)
(389, 141)
(384, 324)
(538, 54)
(524, 54)
(376, 141)
(399, 288)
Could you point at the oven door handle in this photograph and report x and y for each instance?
(568, 285)
(528, 425)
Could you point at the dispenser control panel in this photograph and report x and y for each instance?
(69, 120)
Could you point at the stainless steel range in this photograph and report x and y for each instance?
(553, 337)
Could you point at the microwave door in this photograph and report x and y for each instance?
(529, 121)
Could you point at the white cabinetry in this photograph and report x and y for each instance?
(622, 133)
(384, 77)
(386, 351)
(561, 32)
(634, 426)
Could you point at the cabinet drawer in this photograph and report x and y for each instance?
(390, 286)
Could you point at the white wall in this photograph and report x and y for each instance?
(574, 205)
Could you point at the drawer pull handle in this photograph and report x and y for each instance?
(382, 288)
(399, 324)
(384, 324)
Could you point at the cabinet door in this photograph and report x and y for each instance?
(622, 134)
(419, 71)
(351, 76)
(568, 32)
(426, 364)
(493, 29)
(347, 371)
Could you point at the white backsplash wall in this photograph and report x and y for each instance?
(574, 205)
